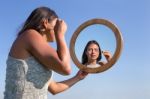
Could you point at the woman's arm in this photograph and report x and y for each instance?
(62, 48)
(57, 87)
(107, 55)
(59, 60)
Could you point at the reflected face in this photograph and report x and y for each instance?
(92, 52)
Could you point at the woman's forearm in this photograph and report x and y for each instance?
(62, 49)
(57, 87)
(63, 52)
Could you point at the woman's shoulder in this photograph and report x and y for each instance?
(32, 35)
(31, 32)
(21, 45)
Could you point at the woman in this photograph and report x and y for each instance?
(31, 59)
(92, 55)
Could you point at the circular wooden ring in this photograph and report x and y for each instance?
(119, 45)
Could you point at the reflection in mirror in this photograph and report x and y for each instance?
(95, 45)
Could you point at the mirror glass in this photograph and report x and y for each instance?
(100, 33)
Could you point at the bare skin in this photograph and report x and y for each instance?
(107, 55)
(32, 43)
(57, 87)
(93, 52)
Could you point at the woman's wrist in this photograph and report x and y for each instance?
(59, 37)
(77, 78)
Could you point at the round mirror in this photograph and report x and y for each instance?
(96, 39)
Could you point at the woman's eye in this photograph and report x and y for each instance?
(96, 50)
(89, 49)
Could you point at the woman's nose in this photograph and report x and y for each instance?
(93, 51)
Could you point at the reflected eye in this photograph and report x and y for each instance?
(96, 50)
(90, 49)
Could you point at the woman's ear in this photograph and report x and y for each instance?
(45, 23)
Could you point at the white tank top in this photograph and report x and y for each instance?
(26, 79)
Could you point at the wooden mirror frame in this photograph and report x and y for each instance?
(119, 45)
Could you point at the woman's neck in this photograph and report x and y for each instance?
(92, 62)
(44, 35)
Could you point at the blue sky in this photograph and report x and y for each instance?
(127, 79)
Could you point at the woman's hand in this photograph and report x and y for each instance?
(81, 74)
(60, 27)
(107, 55)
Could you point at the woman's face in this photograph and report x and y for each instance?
(92, 52)
(50, 28)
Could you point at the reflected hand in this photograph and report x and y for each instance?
(107, 55)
